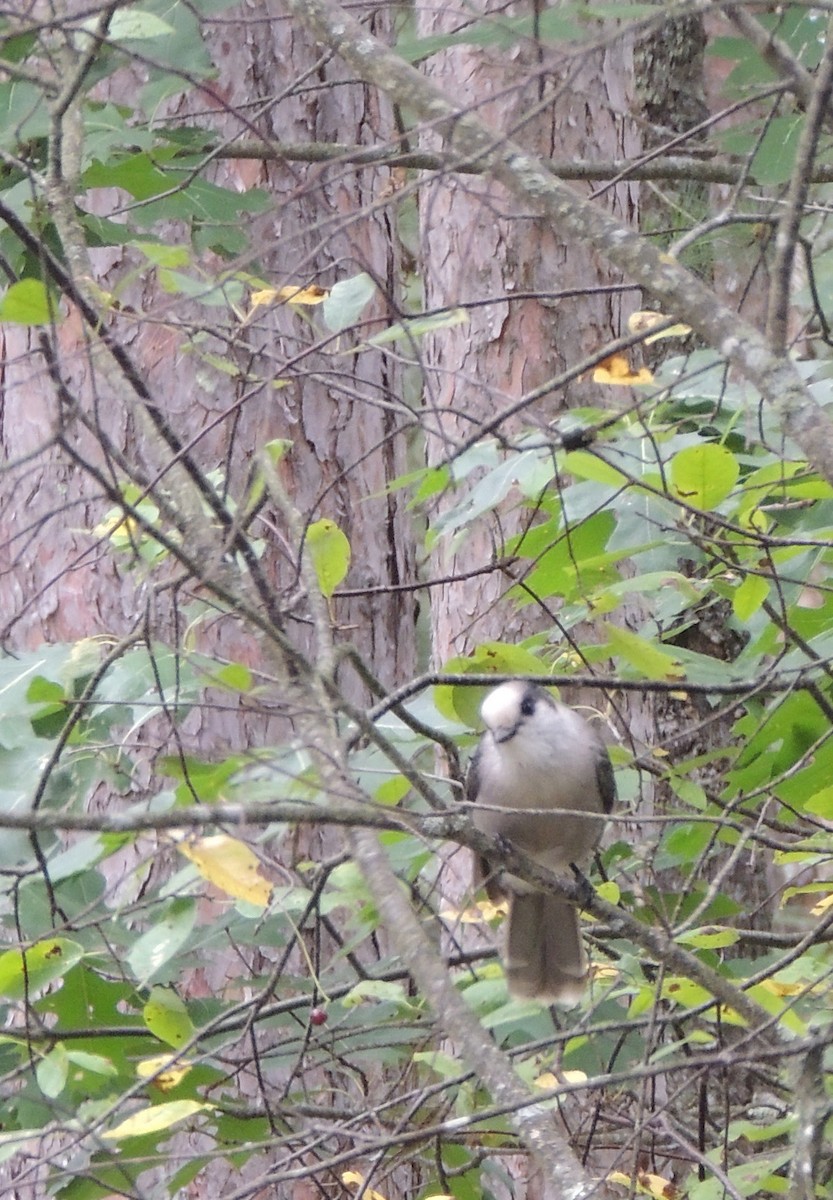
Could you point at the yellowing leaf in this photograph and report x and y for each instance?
(155, 1119)
(22, 973)
(229, 865)
(646, 318)
(312, 294)
(615, 371)
(165, 1072)
(353, 1177)
(783, 989)
(167, 1018)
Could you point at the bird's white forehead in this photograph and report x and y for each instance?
(502, 706)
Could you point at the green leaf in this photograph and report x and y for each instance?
(649, 659)
(821, 803)
(167, 1017)
(376, 989)
(162, 255)
(704, 475)
(773, 164)
(96, 1063)
(416, 328)
(45, 962)
(329, 552)
(461, 703)
(27, 303)
(277, 449)
(585, 465)
(749, 596)
(159, 945)
(683, 844)
(392, 790)
(134, 25)
(235, 676)
(347, 301)
(52, 1070)
(703, 940)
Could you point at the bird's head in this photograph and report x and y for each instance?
(517, 708)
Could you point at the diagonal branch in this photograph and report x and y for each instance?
(528, 176)
(789, 227)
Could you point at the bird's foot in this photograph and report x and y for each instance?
(585, 887)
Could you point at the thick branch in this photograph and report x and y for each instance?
(528, 177)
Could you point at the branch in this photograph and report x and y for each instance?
(773, 51)
(789, 227)
(457, 1022)
(677, 167)
(527, 176)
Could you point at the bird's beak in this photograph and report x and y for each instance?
(502, 733)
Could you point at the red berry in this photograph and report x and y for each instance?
(318, 1016)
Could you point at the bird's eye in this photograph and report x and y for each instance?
(527, 706)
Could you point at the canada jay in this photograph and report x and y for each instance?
(539, 755)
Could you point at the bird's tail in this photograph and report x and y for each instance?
(545, 958)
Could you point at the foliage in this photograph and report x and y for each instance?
(676, 543)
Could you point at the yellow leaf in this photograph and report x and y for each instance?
(615, 371)
(646, 318)
(166, 1072)
(348, 1177)
(475, 914)
(604, 973)
(155, 1118)
(548, 1080)
(821, 907)
(783, 989)
(125, 526)
(312, 294)
(646, 1184)
(229, 865)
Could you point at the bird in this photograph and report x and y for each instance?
(536, 759)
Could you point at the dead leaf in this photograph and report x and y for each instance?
(615, 371)
(646, 318)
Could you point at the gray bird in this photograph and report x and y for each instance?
(539, 755)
